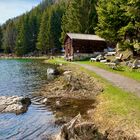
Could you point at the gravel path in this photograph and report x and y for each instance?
(120, 81)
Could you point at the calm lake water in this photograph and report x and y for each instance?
(23, 78)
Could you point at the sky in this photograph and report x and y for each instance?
(13, 8)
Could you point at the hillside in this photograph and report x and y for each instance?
(42, 30)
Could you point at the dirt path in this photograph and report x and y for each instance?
(120, 81)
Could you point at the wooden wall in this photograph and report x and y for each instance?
(88, 46)
(82, 46)
(68, 47)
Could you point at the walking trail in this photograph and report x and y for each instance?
(120, 81)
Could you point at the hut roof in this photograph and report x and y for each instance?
(84, 37)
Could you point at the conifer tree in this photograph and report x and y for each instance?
(1, 34)
(22, 41)
(80, 17)
(33, 32)
(111, 17)
(71, 19)
(55, 29)
(43, 43)
(132, 28)
(9, 38)
(88, 17)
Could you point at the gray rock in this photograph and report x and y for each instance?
(14, 104)
(51, 71)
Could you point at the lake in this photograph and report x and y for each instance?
(23, 77)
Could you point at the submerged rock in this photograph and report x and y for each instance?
(14, 104)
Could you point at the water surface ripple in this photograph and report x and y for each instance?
(22, 78)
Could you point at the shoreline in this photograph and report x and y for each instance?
(41, 58)
(112, 124)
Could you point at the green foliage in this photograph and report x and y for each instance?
(9, 38)
(111, 18)
(56, 17)
(50, 29)
(119, 21)
(22, 37)
(88, 17)
(1, 34)
(80, 17)
(20, 34)
(43, 29)
(71, 19)
(44, 33)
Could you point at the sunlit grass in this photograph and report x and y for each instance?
(115, 101)
(123, 70)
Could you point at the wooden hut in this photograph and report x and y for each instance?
(79, 46)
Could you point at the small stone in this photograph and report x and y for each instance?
(44, 101)
(67, 72)
(58, 103)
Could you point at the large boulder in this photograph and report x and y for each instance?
(14, 104)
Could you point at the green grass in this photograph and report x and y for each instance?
(123, 70)
(116, 102)
(57, 61)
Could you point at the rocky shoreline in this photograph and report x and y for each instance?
(73, 84)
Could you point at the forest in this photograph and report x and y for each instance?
(42, 30)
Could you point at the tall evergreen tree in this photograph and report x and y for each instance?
(22, 41)
(71, 19)
(9, 38)
(33, 32)
(132, 29)
(80, 17)
(55, 29)
(111, 18)
(43, 44)
(1, 34)
(88, 17)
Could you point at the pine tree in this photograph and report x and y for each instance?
(71, 19)
(88, 17)
(33, 32)
(55, 29)
(80, 17)
(43, 43)
(22, 41)
(9, 38)
(1, 34)
(111, 17)
(132, 29)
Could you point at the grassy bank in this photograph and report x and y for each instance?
(123, 70)
(116, 108)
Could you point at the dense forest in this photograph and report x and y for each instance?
(42, 30)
